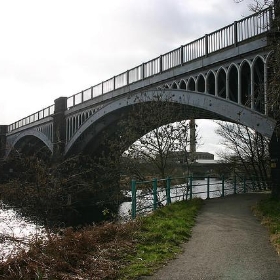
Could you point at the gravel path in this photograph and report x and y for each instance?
(228, 242)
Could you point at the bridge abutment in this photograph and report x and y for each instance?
(59, 128)
(3, 138)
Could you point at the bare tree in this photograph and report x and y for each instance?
(161, 146)
(257, 5)
(273, 88)
(246, 151)
(160, 137)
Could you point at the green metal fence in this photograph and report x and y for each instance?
(149, 195)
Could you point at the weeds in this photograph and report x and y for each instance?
(107, 251)
(269, 212)
(89, 253)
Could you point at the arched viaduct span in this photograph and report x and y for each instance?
(222, 75)
(197, 105)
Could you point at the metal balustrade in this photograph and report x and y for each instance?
(147, 196)
(228, 36)
(46, 112)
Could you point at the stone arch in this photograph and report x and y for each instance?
(200, 83)
(245, 75)
(197, 105)
(191, 84)
(77, 122)
(36, 137)
(221, 82)
(259, 89)
(233, 82)
(72, 125)
(83, 117)
(182, 84)
(68, 128)
(174, 85)
(211, 82)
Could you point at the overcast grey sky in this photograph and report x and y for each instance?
(59, 47)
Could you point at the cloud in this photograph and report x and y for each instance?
(57, 48)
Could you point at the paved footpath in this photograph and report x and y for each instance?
(228, 242)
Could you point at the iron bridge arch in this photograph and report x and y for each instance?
(39, 137)
(198, 105)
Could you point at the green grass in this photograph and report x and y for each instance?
(160, 236)
(269, 211)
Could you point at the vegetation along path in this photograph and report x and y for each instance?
(228, 242)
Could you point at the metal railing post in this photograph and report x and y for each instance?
(91, 92)
(127, 77)
(182, 55)
(168, 183)
(133, 199)
(155, 202)
(206, 49)
(244, 184)
(160, 64)
(143, 71)
(234, 184)
(223, 186)
(208, 187)
(235, 30)
(191, 190)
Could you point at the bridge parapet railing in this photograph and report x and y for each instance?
(254, 25)
(220, 39)
(171, 59)
(46, 112)
(193, 50)
(228, 36)
(152, 67)
(147, 196)
(135, 74)
(121, 80)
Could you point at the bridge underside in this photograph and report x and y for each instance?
(195, 105)
(31, 142)
(31, 145)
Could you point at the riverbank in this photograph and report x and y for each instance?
(134, 249)
(107, 251)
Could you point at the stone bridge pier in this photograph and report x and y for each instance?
(3, 138)
(59, 128)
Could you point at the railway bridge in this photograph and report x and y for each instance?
(222, 75)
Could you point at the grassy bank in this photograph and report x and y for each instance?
(159, 237)
(268, 210)
(108, 251)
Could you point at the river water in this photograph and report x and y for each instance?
(16, 231)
